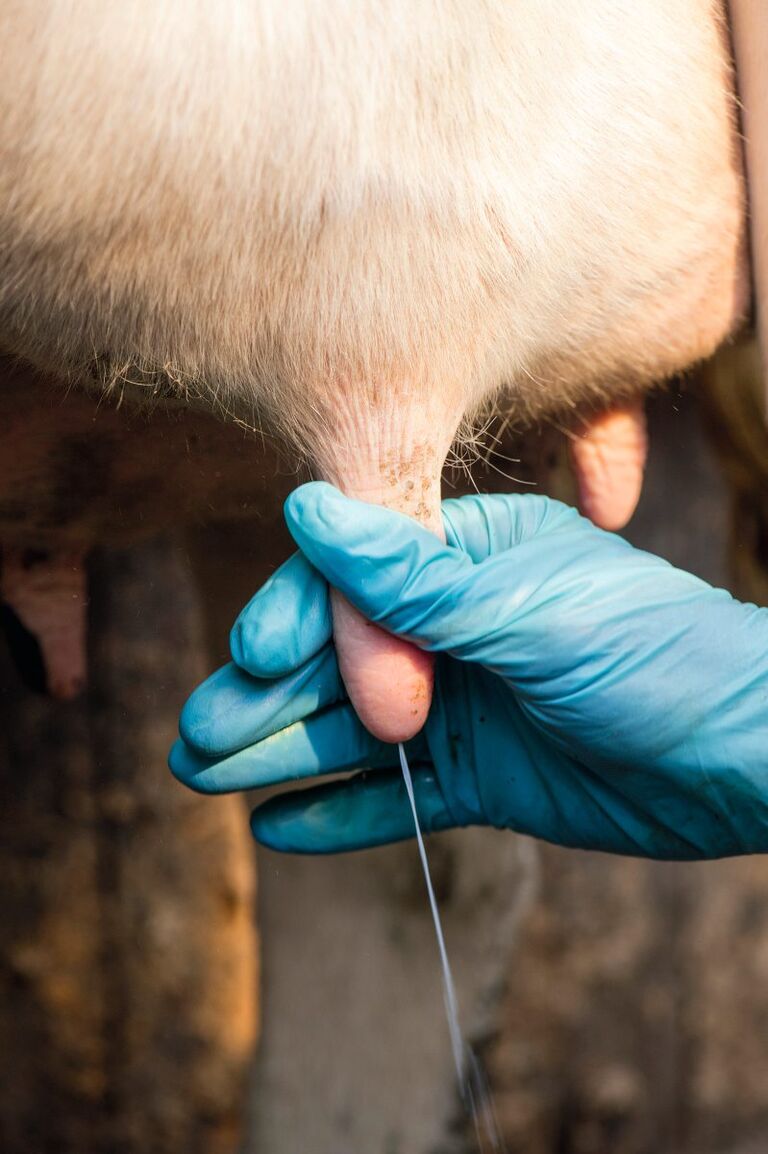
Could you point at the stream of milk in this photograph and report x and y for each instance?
(472, 1084)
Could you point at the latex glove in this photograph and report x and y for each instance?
(587, 693)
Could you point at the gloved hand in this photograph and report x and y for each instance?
(586, 692)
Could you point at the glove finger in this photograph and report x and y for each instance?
(376, 557)
(398, 574)
(329, 742)
(232, 710)
(404, 579)
(365, 811)
(484, 525)
(285, 624)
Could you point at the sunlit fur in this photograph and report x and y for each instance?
(337, 215)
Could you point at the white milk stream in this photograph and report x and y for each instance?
(472, 1084)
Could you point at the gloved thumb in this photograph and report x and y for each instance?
(396, 573)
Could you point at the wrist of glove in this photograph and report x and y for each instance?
(586, 692)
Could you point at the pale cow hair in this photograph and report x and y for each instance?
(338, 215)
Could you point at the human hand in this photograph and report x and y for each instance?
(587, 693)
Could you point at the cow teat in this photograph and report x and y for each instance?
(389, 680)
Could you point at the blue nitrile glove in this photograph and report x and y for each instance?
(586, 692)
